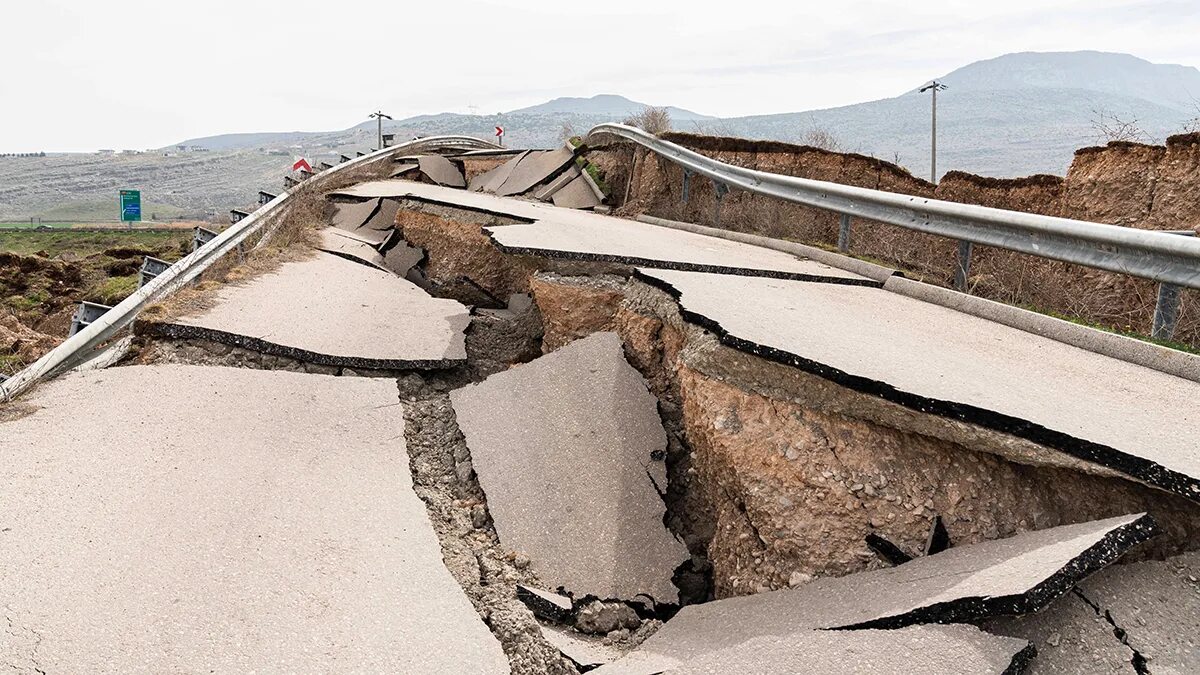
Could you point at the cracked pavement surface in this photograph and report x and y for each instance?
(276, 530)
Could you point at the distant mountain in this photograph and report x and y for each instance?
(538, 126)
(1168, 85)
(1013, 115)
(602, 105)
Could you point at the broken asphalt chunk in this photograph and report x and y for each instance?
(534, 168)
(562, 446)
(544, 604)
(347, 245)
(1011, 576)
(586, 654)
(1141, 617)
(930, 650)
(331, 311)
(441, 171)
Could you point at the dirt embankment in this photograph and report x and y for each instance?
(39, 290)
(1133, 185)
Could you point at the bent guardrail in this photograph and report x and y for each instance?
(1165, 257)
(82, 344)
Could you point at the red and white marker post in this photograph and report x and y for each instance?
(500, 135)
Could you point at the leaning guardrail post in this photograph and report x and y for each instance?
(151, 268)
(962, 272)
(844, 233)
(687, 174)
(721, 190)
(201, 236)
(1166, 312)
(85, 314)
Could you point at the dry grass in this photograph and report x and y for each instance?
(289, 235)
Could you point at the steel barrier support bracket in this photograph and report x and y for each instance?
(151, 268)
(687, 174)
(720, 190)
(1166, 312)
(844, 233)
(85, 314)
(962, 271)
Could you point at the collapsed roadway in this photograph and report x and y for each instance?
(467, 421)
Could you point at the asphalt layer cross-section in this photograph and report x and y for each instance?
(333, 311)
(1010, 576)
(203, 519)
(571, 234)
(1126, 417)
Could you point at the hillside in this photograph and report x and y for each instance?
(1013, 115)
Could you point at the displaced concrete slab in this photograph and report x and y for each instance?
(571, 234)
(931, 650)
(350, 216)
(1147, 612)
(385, 217)
(400, 256)
(1010, 576)
(534, 168)
(936, 360)
(441, 171)
(254, 521)
(332, 311)
(562, 446)
(576, 195)
(490, 181)
(347, 245)
(585, 653)
(402, 169)
(545, 193)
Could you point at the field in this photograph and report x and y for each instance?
(45, 274)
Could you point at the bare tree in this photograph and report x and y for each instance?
(1109, 127)
(819, 137)
(567, 132)
(651, 120)
(711, 128)
(1192, 126)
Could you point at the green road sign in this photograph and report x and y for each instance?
(131, 206)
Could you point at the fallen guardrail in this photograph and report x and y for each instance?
(81, 345)
(1165, 257)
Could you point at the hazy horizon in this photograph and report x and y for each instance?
(137, 74)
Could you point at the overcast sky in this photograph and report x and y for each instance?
(145, 73)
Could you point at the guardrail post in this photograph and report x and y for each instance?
(687, 173)
(721, 190)
(844, 233)
(1166, 312)
(962, 273)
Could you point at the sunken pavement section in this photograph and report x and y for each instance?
(620, 447)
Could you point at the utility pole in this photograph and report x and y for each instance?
(379, 117)
(933, 87)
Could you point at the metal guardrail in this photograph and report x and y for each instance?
(1172, 260)
(80, 346)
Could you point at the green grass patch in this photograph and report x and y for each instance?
(24, 303)
(105, 210)
(87, 243)
(113, 290)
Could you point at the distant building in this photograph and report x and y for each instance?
(105, 151)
